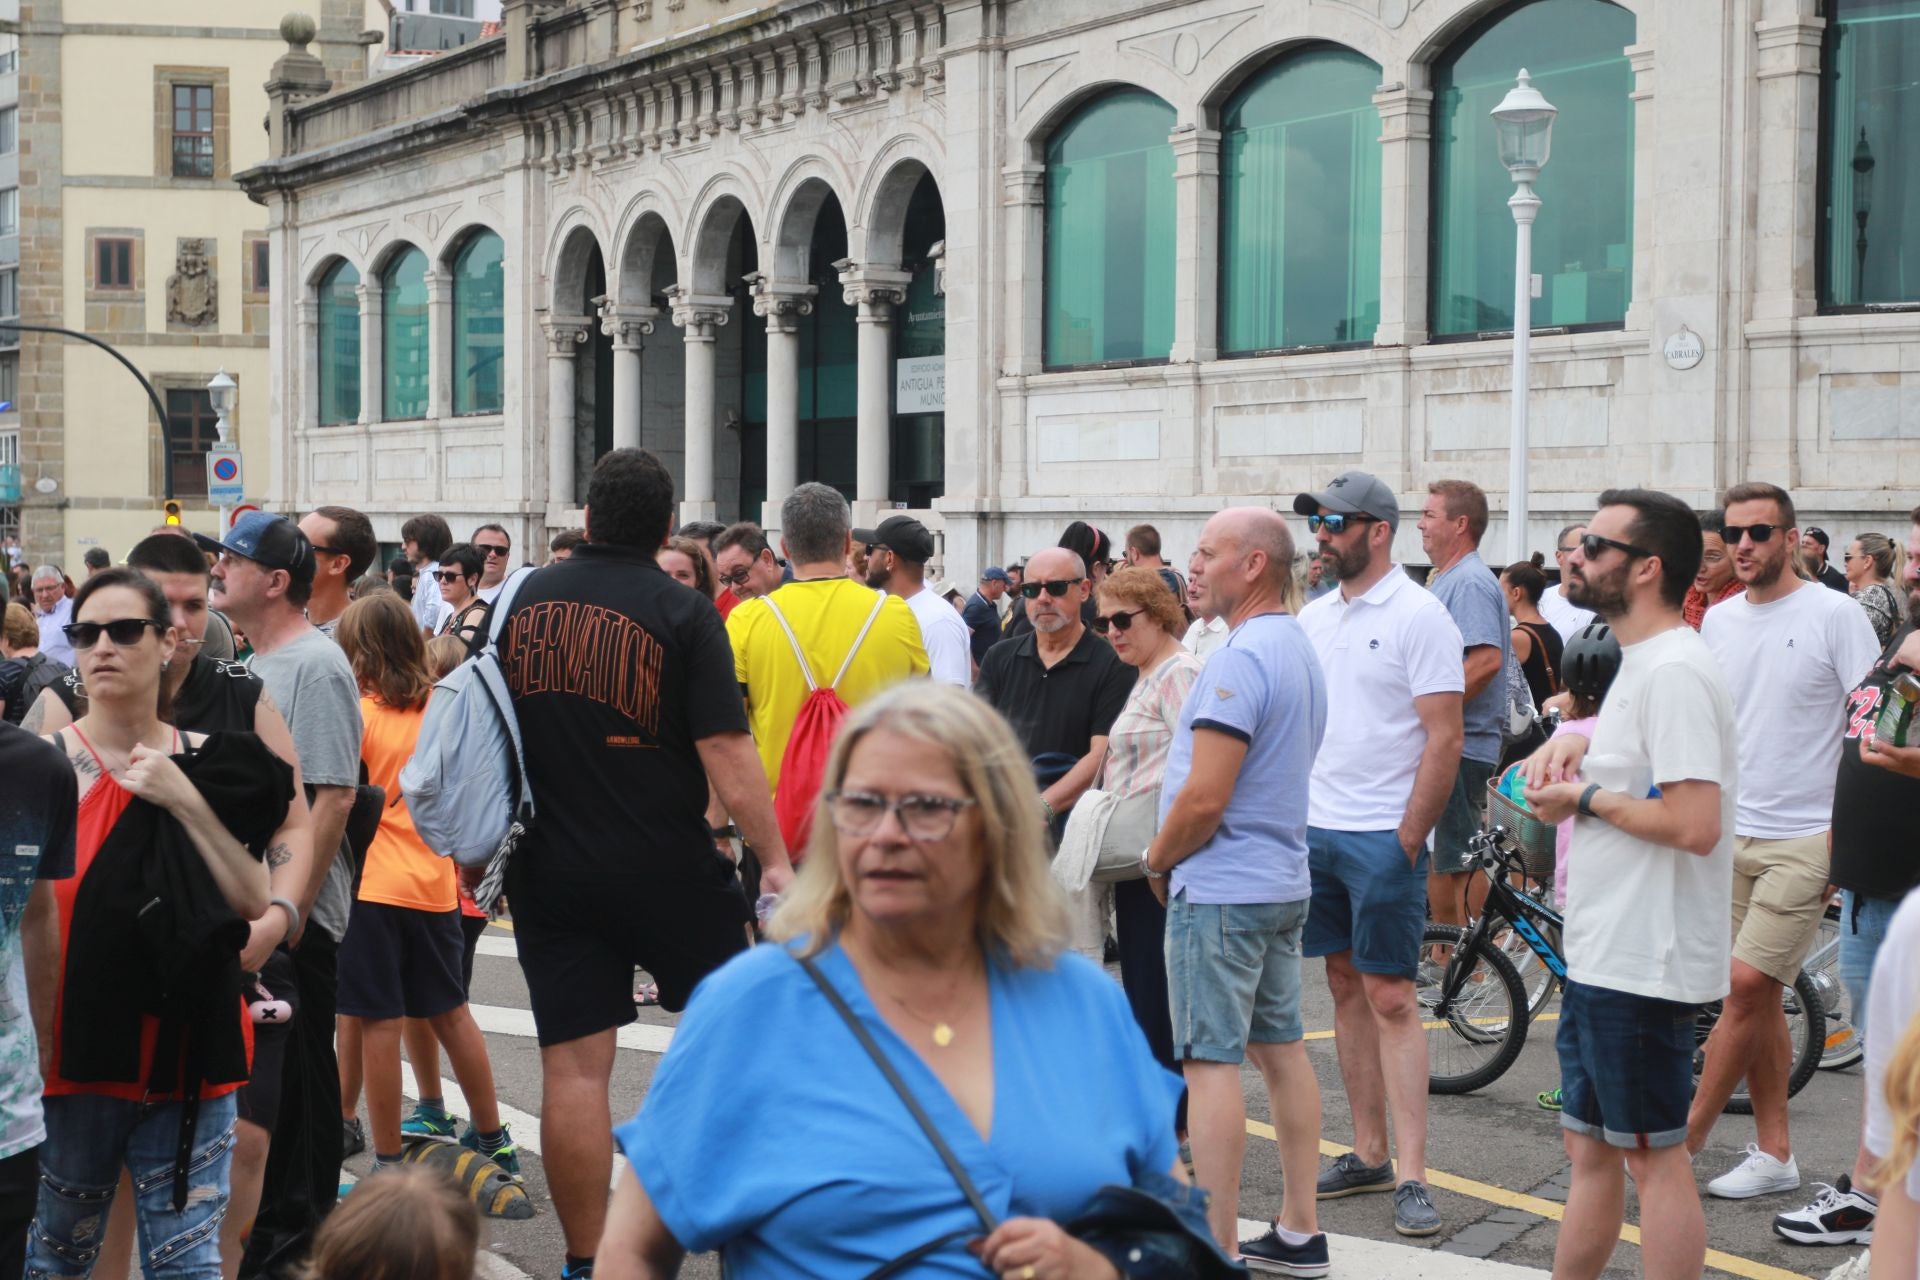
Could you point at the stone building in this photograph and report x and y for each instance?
(132, 118)
(1015, 263)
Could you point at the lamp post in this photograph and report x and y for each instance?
(1862, 206)
(220, 390)
(1523, 124)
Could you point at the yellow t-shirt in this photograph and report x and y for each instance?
(825, 616)
(401, 871)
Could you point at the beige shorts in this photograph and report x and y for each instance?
(1779, 895)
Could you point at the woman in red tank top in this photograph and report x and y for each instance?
(122, 750)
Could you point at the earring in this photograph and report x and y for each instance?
(164, 664)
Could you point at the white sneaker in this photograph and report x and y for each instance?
(1856, 1268)
(1758, 1174)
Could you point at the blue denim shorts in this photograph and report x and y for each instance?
(1626, 1066)
(1367, 899)
(1233, 976)
(1462, 819)
(1863, 927)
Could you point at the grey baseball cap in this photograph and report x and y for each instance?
(1353, 493)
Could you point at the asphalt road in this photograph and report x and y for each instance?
(1495, 1158)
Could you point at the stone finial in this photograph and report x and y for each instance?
(298, 76)
(298, 30)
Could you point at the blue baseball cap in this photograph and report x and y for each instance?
(996, 574)
(272, 542)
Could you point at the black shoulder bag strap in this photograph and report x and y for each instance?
(987, 1219)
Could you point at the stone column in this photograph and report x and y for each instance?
(372, 379)
(1196, 187)
(629, 327)
(1023, 197)
(1786, 165)
(308, 389)
(1405, 132)
(782, 305)
(699, 317)
(564, 337)
(439, 343)
(875, 291)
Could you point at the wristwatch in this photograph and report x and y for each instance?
(1586, 800)
(1146, 867)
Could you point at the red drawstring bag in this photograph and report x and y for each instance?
(804, 763)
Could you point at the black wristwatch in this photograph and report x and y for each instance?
(1586, 800)
(728, 832)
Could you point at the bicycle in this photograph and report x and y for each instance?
(1474, 1004)
(1844, 1044)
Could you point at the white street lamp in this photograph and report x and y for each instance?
(220, 390)
(1523, 124)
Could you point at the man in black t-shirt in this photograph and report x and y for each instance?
(623, 685)
(1876, 859)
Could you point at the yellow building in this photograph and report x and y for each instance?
(132, 118)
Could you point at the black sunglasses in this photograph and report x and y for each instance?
(1055, 587)
(122, 631)
(1118, 621)
(484, 548)
(1760, 533)
(1592, 544)
(1334, 523)
(317, 549)
(449, 575)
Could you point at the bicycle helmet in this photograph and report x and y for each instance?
(1590, 661)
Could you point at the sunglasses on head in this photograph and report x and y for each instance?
(1055, 587)
(1760, 533)
(1118, 621)
(1335, 523)
(122, 631)
(1592, 545)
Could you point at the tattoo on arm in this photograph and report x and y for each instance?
(279, 854)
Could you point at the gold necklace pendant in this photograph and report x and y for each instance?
(942, 1034)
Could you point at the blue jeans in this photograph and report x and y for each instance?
(1863, 927)
(89, 1138)
(1233, 976)
(1626, 1066)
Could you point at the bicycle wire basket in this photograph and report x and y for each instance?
(1537, 841)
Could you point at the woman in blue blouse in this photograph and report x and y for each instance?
(770, 1135)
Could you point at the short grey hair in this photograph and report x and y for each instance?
(815, 521)
(49, 573)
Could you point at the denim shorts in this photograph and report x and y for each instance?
(1863, 927)
(1626, 1066)
(1233, 976)
(1461, 820)
(1367, 899)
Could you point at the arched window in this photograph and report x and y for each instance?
(1110, 232)
(1300, 205)
(403, 342)
(479, 335)
(1583, 242)
(339, 339)
(1870, 178)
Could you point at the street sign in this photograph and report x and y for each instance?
(244, 509)
(225, 485)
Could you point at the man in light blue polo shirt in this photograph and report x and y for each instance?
(1233, 835)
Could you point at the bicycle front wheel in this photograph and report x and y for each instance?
(1475, 1034)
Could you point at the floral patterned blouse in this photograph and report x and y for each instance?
(1142, 733)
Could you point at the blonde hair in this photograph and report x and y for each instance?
(444, 653)
(1021, 913)
(1903, 1106)
(410, 1223)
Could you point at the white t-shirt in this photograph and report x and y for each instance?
(944, 633)
(1204, 637)
(1790, 665)
(1641, 917)
(430, 608)
(1562, 614)
(1893, 1001)
(492, 593)
(1379, 652)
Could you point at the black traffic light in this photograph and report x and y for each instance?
(172, 508)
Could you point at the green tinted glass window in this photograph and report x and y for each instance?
(1583, 241)
(479, 334)
(339, 338)
(1110, 233)
(1300, 205)
(1870, 208)
(403, 344)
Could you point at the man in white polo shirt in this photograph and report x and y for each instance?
(897, 555)
(1391, 656)
(1791, 653)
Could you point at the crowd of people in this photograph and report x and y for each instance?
(941, 809)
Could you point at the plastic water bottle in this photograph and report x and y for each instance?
(763, 907)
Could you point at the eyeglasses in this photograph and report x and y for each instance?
(122, 631)
(1118, 621)
(328, 551)
(1566, 551)
(1758, 532)
(738, 578)
(1055, 587)
(1335, 523)
(449, 575)
(487, 549)
(859, 813)
(1592, 544)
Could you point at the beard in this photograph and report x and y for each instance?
(1351, 563)
(1767, 572)
(877, 575)
(1605, 594)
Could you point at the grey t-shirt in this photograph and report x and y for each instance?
(1472, 595)
(313, 685)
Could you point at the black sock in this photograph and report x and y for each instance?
(578, 1265)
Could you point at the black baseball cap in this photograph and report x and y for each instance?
(902, 535)
(272, 542)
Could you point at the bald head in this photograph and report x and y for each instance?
(1244, 563)
(1057, 616)
(1262, 530)
(1055, 562)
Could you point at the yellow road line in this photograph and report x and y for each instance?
(504, 924)
(1731, 1264)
